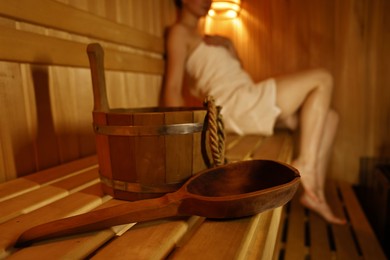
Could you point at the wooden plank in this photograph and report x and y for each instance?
(243, 148)
(46, 13)
(295, 245)
(270, 241)
(260, 237)
(193, 224)
(206, 242)
(79, 181)
(29, 47)
(62, 105)
(149, 149)
(121, 150)
(319, 247)
(365, 235)
(73, 204)
(326, 241)
(153, 240)
(62, 171)
(30, 201)
(38, 79)
(16, 146)
(281, 239)
(344, 241)
(95, 190)
(231, 140)
(199, 153)
(72, 247)
(259, 242)
(276, 147)
(178, 149)
(78, 247)
(16, 187)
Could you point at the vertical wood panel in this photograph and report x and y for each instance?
(16, 141)
(27, 143)
(350, 38)
(350, 81)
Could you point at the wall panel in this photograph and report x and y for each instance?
(349, 38)
(46, 111)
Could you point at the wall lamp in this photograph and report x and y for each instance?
(227, 9)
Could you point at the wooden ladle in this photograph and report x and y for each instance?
(234, 190)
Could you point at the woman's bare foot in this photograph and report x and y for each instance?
(322, 208)
(308, 180)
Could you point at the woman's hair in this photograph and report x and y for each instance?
(178, 3)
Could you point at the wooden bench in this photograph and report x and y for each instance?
(73, 188)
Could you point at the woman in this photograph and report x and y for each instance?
(254, 108)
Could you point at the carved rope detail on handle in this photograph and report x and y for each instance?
(216, 131)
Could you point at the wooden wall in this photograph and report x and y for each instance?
(46, 112)
(350, 38)
(51, 106)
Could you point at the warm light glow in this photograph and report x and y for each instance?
(227, 9)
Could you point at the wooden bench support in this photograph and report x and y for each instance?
(306, 235)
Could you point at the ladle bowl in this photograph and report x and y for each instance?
(230, 191)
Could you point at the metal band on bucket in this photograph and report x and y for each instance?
(149, 130)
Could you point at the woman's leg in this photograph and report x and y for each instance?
(331, 125)
(324, 153)
(310, 92)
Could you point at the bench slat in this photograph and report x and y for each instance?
(65, 170)
(31, 182)
(79, 22)
(30, 201)
(73, 204)
(295, 244)
(146, 241)
(276, 147)
(16, 187)
(263, 231)
(79, 181)
(368, 241)
(344, 240)
(321, 240)
(206, 243)
(29, 47)
(319, 243)
(72, 247)
(242, 148)
(258, 231)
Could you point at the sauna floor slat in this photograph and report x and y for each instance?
(307, 236)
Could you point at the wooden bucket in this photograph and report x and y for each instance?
(147, 152)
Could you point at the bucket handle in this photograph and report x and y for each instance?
(216, 128)
(96, 62)
(215, 123)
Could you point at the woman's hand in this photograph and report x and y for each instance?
(218, 40)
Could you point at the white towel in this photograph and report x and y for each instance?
(247, 107)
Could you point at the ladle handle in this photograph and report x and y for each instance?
(128, 212)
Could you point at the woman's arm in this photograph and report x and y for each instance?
(176, 49)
